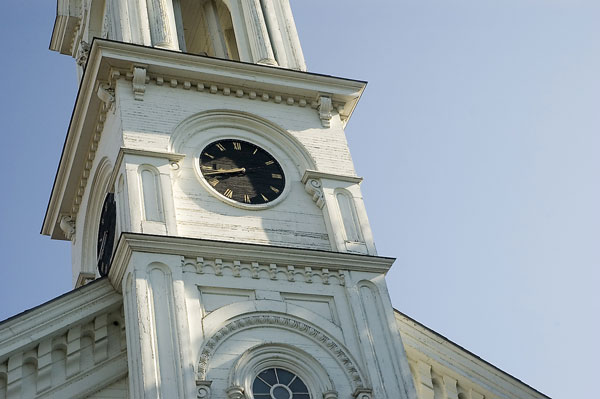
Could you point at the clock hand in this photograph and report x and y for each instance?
(224, 171)
(256, 168)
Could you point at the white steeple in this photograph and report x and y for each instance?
(220, 199)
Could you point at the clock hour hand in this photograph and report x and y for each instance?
(223, 171)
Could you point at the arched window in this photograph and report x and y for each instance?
(205, 27)
(279, 383)
(279, 371)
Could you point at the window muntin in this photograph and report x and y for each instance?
(278, 383)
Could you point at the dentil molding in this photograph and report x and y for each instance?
(195, 252)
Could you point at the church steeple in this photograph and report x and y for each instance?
(220, 199)
(254, 31)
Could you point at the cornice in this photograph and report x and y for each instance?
(78, 152)
(109, 61)
(171, 156)
(193, 67)
(240, 252)
(313, 174)
(147, 65)
(57, 314)
(66, 23)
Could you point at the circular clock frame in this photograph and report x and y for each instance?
(242, 173)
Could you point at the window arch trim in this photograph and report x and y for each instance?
(295, 360)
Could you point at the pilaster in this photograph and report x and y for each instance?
(343, 209)
(158, 332)
(450, 387)
(425, 383)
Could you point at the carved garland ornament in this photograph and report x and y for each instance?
(242, 323)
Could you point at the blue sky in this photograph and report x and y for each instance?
(478, 138)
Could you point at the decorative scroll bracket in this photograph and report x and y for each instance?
(314, 188)
(67, 225)
(325, 108)
(106, 95)
(139, 83)
(203, 389)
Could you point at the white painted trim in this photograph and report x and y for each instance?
(423, 344)
(101, 185)
(93, 380)
(203, 129)
(289, 357)
(109, 60)
(263, 254)
(271, 135)
(330, 345)
(315, 174)
(68, 16)
(58, 314)
(218, 318)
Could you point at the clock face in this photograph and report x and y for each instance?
(106, 234)
(242, 171)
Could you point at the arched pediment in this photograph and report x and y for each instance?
(241, 121)
(294, 324)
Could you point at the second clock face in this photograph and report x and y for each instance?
(242, 171)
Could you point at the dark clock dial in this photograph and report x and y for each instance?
(242, 171)
(106, 234)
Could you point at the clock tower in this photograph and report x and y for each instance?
(206, 177)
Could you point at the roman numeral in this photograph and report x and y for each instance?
(255, 151)
(220, 147)
(213, 182)
(274, 189)
(265, 198)
(246, 198)
(237, 146)
(275, 175)
(271, 162)
(208, 155)
(228, 193)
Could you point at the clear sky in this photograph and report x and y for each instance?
(479, 141)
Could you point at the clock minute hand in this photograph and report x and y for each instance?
(224, 171)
